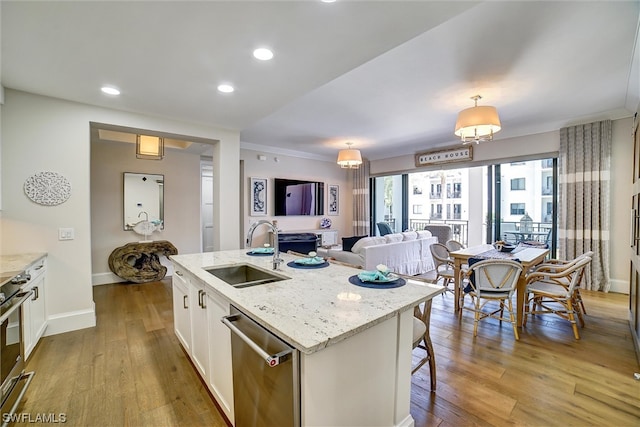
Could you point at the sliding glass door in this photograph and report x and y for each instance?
(515, 201)
(523, 201)
(389, 193)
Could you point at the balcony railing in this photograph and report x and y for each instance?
(454, 194)
(459, 228)
(547, 191)
(435, 195)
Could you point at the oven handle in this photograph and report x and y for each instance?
(23, 297)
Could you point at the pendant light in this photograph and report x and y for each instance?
(349, 158)
(477, 123)
(149, 147)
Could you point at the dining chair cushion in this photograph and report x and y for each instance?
(419, 329)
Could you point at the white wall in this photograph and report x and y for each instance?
(295, 168)
(47, 134)
(548, 143)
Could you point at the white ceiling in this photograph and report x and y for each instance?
(388, 75)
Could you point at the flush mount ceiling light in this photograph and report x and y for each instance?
(477, 123)
(149, 147)
(349, 158)
(110, 90)
(225, 88)
(263, 54)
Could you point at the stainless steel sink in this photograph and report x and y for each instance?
(244, 275)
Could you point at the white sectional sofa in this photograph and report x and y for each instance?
(404, 253)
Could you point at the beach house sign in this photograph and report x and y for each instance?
(447, 155)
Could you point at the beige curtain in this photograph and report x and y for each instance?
(360, 187)
(584, 175)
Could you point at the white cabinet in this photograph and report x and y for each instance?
(328, 237)
(181, 307)
(200, 336)
(34, 312)
(197, 311)
(221, 375)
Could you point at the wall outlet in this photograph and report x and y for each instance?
(66, 234)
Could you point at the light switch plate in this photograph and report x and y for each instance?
(66, 234)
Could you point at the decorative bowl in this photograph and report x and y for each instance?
(325, 223)
(507, 248)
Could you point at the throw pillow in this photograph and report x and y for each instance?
(423, 234)
(393, 238)
(409, 235)
(348, 242)
(366, 242)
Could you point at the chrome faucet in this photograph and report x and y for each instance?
(146, 215)
(276, 249)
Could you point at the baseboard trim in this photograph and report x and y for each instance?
(407, 422)
(105, 278)
(71, 321)
(108, 277)
(619, 286)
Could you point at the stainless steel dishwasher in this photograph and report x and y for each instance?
(266, 370)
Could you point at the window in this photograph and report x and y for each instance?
(435, 191)
(457, 190)
(436, 211)
(517, 208)
(517, 184)
(457, 211)
(417, 209)
(417, 189)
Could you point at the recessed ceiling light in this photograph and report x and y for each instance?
(328, 1)
(225, 88)
(109, 90)
(263, 54)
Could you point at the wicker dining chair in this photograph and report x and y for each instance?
(444, 264)
(490, 281)
(554, 293)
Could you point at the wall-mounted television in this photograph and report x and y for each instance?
(298, 197)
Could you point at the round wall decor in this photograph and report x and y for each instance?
(47, 188)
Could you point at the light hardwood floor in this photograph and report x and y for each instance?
(130, 370)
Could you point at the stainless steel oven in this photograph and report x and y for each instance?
(14, 380)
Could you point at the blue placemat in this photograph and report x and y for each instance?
(355, 280)
(293, 264)
(259, 253)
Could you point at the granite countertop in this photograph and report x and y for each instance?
(10, 265)
(315, 307)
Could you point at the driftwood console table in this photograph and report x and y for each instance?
(139, 262)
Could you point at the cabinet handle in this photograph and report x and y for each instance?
(39, 267)
(201, 302)
(179, 273)
(204, 301)
(36, 293)
(184, 302)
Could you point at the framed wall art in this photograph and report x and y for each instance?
(334, 200)
(258, 197)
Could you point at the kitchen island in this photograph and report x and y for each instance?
(355, 343)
